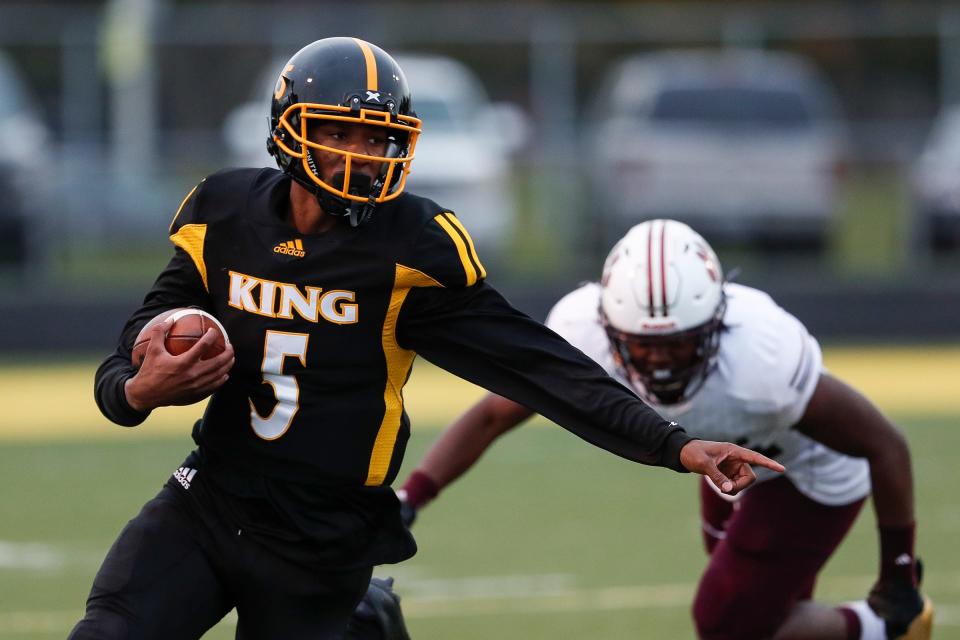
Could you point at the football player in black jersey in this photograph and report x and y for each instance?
(329, 279)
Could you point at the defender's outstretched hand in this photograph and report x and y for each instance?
(727, 465)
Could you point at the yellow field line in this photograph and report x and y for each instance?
(903, 381)
(56, 401)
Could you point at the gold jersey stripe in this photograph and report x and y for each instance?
(371, 63)
(473, 251)
(180, 208)
(190, 238)
(399, 361)
(468, 268)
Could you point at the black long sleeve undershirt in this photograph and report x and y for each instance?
(178, 285)
(477, 335)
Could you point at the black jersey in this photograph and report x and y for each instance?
(326, 328)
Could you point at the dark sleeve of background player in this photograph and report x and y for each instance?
(179, 285)
(475, 334)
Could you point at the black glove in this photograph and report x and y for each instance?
(905, 612)
(378, 616)
(408, 513)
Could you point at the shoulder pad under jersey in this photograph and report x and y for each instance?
(219, 196)
(774, 363)
(576, 316)
(444, 252)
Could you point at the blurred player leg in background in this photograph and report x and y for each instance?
(776, 542)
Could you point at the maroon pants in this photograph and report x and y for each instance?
(765, 553)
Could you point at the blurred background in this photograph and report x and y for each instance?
(815, 144)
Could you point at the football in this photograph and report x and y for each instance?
(184, 327)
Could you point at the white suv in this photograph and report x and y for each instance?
(24, 153)
(935, 184)
(741, 144)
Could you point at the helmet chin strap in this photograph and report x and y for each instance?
(360, 184)
(361, 212)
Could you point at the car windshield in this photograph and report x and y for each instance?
(945, 139)
(732, 107)
(439, 115)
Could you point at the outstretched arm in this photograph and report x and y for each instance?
(463, 442)
(844, 420)
(459, 447)
(475, 334)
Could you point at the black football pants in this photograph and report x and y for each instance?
(171, 575)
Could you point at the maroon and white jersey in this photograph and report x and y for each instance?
(766, 371)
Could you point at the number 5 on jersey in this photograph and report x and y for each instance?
(278, 345)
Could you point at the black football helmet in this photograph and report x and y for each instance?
(344, 80)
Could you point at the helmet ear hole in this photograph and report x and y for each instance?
(395, 148)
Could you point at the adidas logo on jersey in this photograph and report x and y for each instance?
(184, 475)
(291, 248)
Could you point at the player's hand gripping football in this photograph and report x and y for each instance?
(727, 465)
(164, 379)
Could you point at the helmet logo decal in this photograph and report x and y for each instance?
(608, 267)
(659, 325)
(373, 96)
(712, 270)
(281, 87)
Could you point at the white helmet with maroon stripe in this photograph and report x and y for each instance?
(662, 305)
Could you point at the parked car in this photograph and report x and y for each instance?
(742, 144)
(23, 138)
(935, 183)
(464, 158)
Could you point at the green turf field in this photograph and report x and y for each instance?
(546, 538)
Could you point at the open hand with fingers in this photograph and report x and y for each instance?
(165, 379)
(727, 465)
